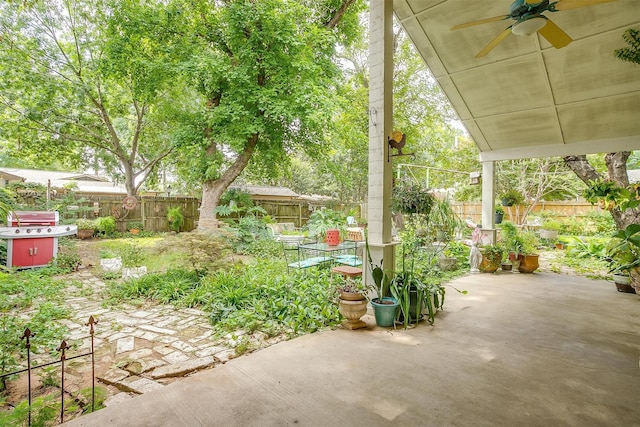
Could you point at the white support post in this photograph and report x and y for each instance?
(380, 126)
(488, 199)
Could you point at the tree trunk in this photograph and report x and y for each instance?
(617, 172)
(212, 190)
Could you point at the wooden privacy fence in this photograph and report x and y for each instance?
(150, 210)
(473, 210)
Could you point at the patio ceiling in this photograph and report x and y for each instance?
(526, 98)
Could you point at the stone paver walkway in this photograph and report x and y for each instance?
(138, 349)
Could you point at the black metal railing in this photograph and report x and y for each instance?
(27, 335)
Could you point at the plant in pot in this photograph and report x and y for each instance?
(353, 296)
(491, 258)
(327, 224)
(110, 261)
(512, 243)
(413, 294)
(86, 228)
(625, 253)
(132, 258)
(134, 227)
(498, 214)
(550, 229)
(384, 307)
(511, 197)
(529, 262)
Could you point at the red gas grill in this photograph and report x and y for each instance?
(33, 238)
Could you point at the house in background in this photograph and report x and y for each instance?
(85, 183)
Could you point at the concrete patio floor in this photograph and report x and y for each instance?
(541, 349)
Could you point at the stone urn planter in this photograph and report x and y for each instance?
(529, 263)
(353, 310)
(133, 272)
(111, 265)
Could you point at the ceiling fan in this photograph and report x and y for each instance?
(529, 20)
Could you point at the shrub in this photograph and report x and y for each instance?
(85, 224)
(106, 226)
(175, 219)
(137, 225)
(132, 255)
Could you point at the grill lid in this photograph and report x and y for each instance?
(29, 218)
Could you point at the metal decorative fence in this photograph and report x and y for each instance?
(27, 335)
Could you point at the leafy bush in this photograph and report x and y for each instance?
(132, 255)
(85, 224)
(322, 220)
(175, 219)
(410, 197)
(205, 252)
(106, 226)
(264, 248)
(248, 230)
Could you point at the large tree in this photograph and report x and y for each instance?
(69, 92)
(264, 74)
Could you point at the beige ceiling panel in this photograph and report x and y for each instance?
(586, 21)
(539, 127)
(514, 85)
(424, 48)
(589, 70)
(457, 49)
(455, 98)
(418, 6)
(401, 9)
(601, 119)
(477, 135)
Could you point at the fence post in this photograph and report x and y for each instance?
(90, 323)
(63, 347)
(26, 336)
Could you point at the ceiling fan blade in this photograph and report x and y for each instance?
(494, 42)
(555, 35)
(480, 22)
(574, 4)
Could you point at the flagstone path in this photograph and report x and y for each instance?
(138, 349)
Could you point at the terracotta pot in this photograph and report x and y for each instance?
(489, 265)
(333, 237)
(529, 264)
(85, 233)
(134, 231)
(352, 312)
(350, 296)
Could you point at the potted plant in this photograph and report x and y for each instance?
(511, 197)
(410, 197)
(352, 303)
(498, 214)
(529, 262)
(625, 254)
(132, 259)
(110, 261)
(491, 258)
(550, 229)
(322, 221)
(384, 308)
(134, 227)
(86, 228)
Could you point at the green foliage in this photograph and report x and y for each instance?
(6, 204)
(239, 196)
(322, 220)
(625, 248)
(587, 248)
(632, 53)
(105, 226)
(410, 197)
(511, 197)
(135, 225)
(44, 412)
(202, 251)
(175, 219)
(68, 261)
(132, 255)
(85, 224)
(264, 248)
(258, 296)
(499, 209)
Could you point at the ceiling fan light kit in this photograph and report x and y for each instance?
(528, 27)
(529, 19)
